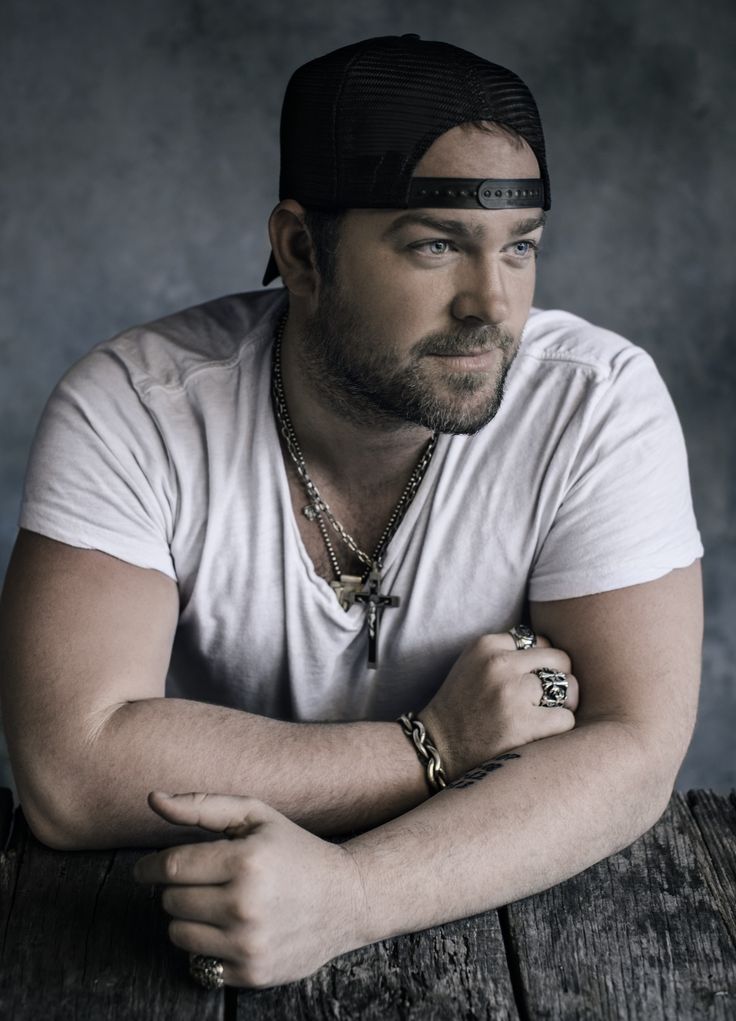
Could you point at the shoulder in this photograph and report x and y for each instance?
(168, 353)
(554, 339)
(571, 373)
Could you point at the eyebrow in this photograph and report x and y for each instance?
(528, 225)
(459, 227)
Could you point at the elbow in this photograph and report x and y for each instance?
(51, 796)
(59, 826)
(664, 753)
(48, 822)
(59, 787)
(654, 760)
(49, 832)
(50, 812)
(632, 775)
(659, 798)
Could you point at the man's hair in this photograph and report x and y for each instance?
(324, 229)
(324, 224)
(494, 128)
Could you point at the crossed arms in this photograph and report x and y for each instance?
(85, 647)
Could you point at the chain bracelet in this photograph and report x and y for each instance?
(426, 751)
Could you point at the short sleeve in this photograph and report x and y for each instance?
(98, 475)
(626, 514)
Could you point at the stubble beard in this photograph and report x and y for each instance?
(366, 385)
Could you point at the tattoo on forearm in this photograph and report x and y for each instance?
(481, 771)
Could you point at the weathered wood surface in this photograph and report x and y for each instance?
(640, 935)
(648, 933)
(716, 820)
(454, 971)
(82, 940)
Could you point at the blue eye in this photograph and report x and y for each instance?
(523, 249)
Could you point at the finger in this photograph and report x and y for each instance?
(189, 864)
(554, 721)
(573, 693)
(220, 813)
(211, 905)
(201, 938)
(507, 641)
(547, 658)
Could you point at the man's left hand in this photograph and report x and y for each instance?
(272, 901)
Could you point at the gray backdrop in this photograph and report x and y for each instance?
(139, 164)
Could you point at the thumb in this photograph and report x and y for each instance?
(230, 814)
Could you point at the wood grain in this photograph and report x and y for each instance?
(647, 933)
(716, 819)
(640, 935)
(83, 940)
(454, 971)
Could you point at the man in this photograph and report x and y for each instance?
(338, 502)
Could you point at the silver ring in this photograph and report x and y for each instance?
(554, 687)
(524, 637)
(207, 971)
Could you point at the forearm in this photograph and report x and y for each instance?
(328, 777)
(563, 804)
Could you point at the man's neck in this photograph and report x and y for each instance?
(350, 456)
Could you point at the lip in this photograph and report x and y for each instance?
(472, 361)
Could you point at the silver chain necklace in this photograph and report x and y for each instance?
(348, 588)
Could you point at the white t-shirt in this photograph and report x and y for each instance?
(160, 448)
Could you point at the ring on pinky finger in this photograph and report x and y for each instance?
(208, 972)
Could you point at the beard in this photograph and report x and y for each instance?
(363, 380)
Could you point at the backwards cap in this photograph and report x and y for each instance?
(356, 122)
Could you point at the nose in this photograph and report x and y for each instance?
(482, 293)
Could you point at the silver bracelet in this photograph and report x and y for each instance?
(428, 754)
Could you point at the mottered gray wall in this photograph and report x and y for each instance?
(139, 163)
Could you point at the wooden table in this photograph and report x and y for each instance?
(649, 933)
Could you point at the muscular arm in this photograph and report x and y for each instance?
(565, 801)
(85, 643)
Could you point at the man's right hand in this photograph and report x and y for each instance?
(489, 702)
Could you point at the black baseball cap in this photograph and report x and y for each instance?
(356, 122)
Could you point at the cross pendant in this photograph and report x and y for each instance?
(375, 603)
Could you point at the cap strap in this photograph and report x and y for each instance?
(472, 193)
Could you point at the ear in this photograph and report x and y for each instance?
(292, 248)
